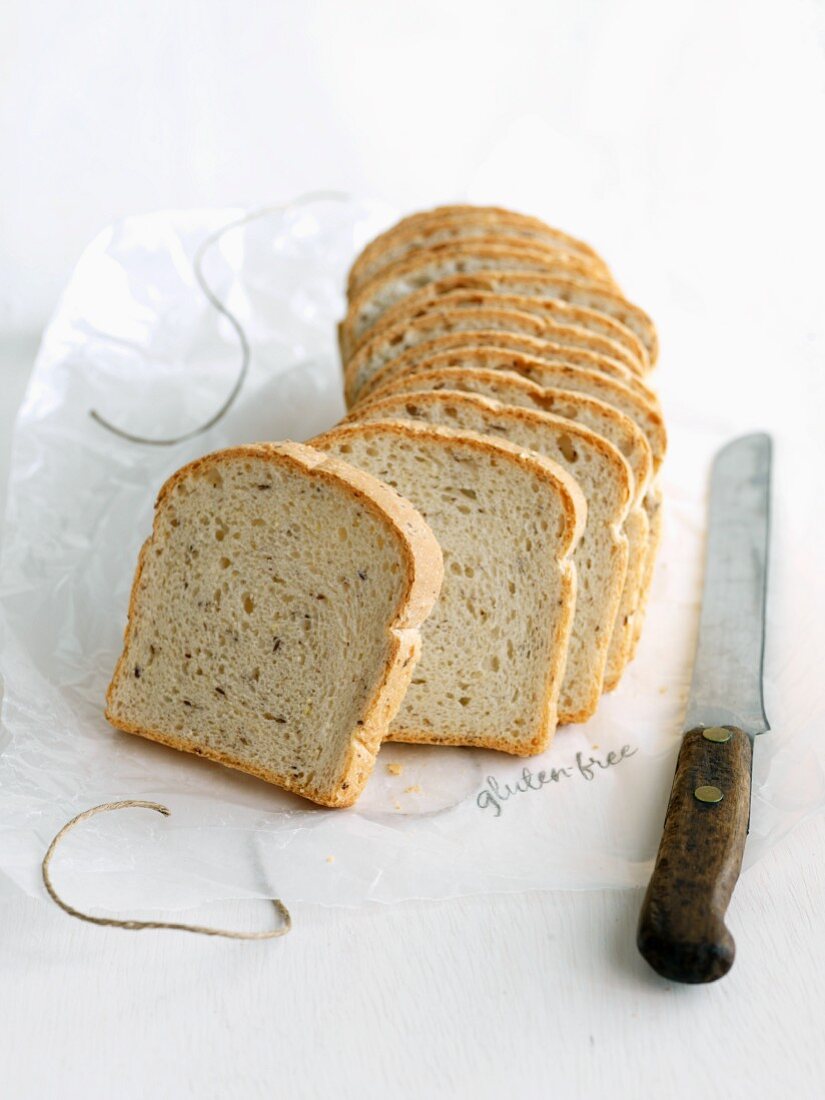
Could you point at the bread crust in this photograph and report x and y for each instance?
(575, 513)
(424, 574)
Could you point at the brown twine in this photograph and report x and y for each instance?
(217, 304)
(137, 925)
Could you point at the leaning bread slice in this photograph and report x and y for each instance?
(494, 648)
(600, 557)
(438, 226)
(467, 292)
(274, 618)
(374, 356)
(428, 266)
(604, 419)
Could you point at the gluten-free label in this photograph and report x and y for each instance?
(494, 794)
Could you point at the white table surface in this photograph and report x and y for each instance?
(532, 995)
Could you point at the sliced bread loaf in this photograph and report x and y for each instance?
(466, 292)
(458, 223)
(428, 266)
(507, 521)
(601, 555)
(620, 394)
(602, 418)
(274, 618)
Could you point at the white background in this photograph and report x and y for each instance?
(686, 142)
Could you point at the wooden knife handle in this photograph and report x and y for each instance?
(682, 931)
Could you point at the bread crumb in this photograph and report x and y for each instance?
(662, 690)
(415, 789)
(330, 859)
(395, 769)
(594, 747)
(398, 805)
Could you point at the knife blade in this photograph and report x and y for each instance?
(682, 932)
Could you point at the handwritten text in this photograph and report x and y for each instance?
(494, 794)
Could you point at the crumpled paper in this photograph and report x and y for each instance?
(135, 338)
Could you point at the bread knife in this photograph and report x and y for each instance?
(682, 932)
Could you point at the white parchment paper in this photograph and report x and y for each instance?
(134, 337)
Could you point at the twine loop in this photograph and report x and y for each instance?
(227, 314)
(137, 925)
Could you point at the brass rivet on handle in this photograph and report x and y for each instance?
(717, 733)
(708, 794)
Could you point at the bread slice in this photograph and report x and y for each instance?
(455, 244)
(462, 292)
(494, 216)
(428, 266)
(639, 404)
(558, 344)
(614, 426)
(459, 223)
(275, 615)
(507, 521)
(388, 345)
(375, 353)
(600, 557)
(510, 388)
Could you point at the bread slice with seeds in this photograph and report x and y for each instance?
(578, 376)
(375, 353)
(468, 292)
(601, 555)
(430, 265)
(370, 366)
(275, 617)
(600, 417)
(459, 224)
(494, 648)
(558, 344)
